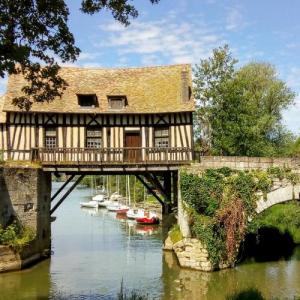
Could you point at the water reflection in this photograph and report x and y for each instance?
(93, 250)
(275, 280)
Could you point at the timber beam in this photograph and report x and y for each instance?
(141, 179)
(62, 187)
(56, 206)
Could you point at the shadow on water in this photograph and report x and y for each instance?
(269, 244)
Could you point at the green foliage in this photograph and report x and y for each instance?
(175, 234)
(239, 111)
(208, 231)
(16, 236)
(220, 202)
(285, 217)
(35, 34)
(249, 294)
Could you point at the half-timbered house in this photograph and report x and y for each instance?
(105, 117)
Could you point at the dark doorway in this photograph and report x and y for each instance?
(132, 146)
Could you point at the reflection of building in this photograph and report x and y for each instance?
(105, 116)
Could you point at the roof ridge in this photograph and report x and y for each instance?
(126, 68)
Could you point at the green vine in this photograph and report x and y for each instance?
(220, 203)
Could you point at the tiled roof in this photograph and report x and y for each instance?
(148, 90)
(2, 113)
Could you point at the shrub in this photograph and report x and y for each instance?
(16, 236)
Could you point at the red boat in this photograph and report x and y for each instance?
(122, 211)
(147, 221)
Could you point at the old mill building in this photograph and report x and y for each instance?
(106, 117)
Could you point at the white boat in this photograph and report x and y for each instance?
(115, 196)
(105, 203)
(113, 207)
(100, 197)
(90, 204)
(135, 213)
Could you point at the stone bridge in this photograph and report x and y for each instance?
(191, 253)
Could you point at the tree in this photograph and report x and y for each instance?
(245, 106)
(210, 78)
(34, 32)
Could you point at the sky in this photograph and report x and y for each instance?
(186, 31)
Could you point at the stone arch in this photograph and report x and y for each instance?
(280, 195)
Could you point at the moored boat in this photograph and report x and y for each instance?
(123, 209)
(148, 221)
(135, 213)
(149, 218)
(89, 204)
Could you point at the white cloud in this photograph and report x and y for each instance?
(293, 78)
(234, 19)
(171, 39)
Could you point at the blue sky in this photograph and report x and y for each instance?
(184, 31)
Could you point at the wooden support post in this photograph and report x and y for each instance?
(152, 178)
(62, 187)
(168, 190)
(175, 188)
(140, 178)
(66, 194)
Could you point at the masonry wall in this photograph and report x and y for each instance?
(244, 162)
(25, 194)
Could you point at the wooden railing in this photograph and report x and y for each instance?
(141, 155)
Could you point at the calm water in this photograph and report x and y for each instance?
(93, 252)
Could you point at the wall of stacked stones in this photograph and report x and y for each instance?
(244, 162)
(25, 194)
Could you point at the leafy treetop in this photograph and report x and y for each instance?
(33, 33)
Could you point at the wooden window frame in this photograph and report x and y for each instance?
(121, 98)
(95, 101)
(95, 128)
(157, 128)
(45, 137)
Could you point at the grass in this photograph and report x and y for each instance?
(285, 217)
(175, 234)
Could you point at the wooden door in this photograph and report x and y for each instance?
(132, 146)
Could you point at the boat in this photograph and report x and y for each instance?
(100, 197)
(105, 203)
(90, 204)
(113, 207)
(123, 209)
(115, 196)
(135, 213)
(148, 221)
(149, 218)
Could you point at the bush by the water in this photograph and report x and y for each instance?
(16, 236)
(285, 217)
(220, 203)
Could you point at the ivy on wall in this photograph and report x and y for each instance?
(220, 203)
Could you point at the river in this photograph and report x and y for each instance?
(93, 252)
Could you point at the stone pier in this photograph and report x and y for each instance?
(25, 193)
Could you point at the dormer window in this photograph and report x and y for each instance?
(87, 100)
(117, 102)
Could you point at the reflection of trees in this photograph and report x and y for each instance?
(33, 283)
(273, 279)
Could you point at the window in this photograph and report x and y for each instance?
(93, 137)
(87, 100)
(161, 137)
(50, 137)
(116, 102)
